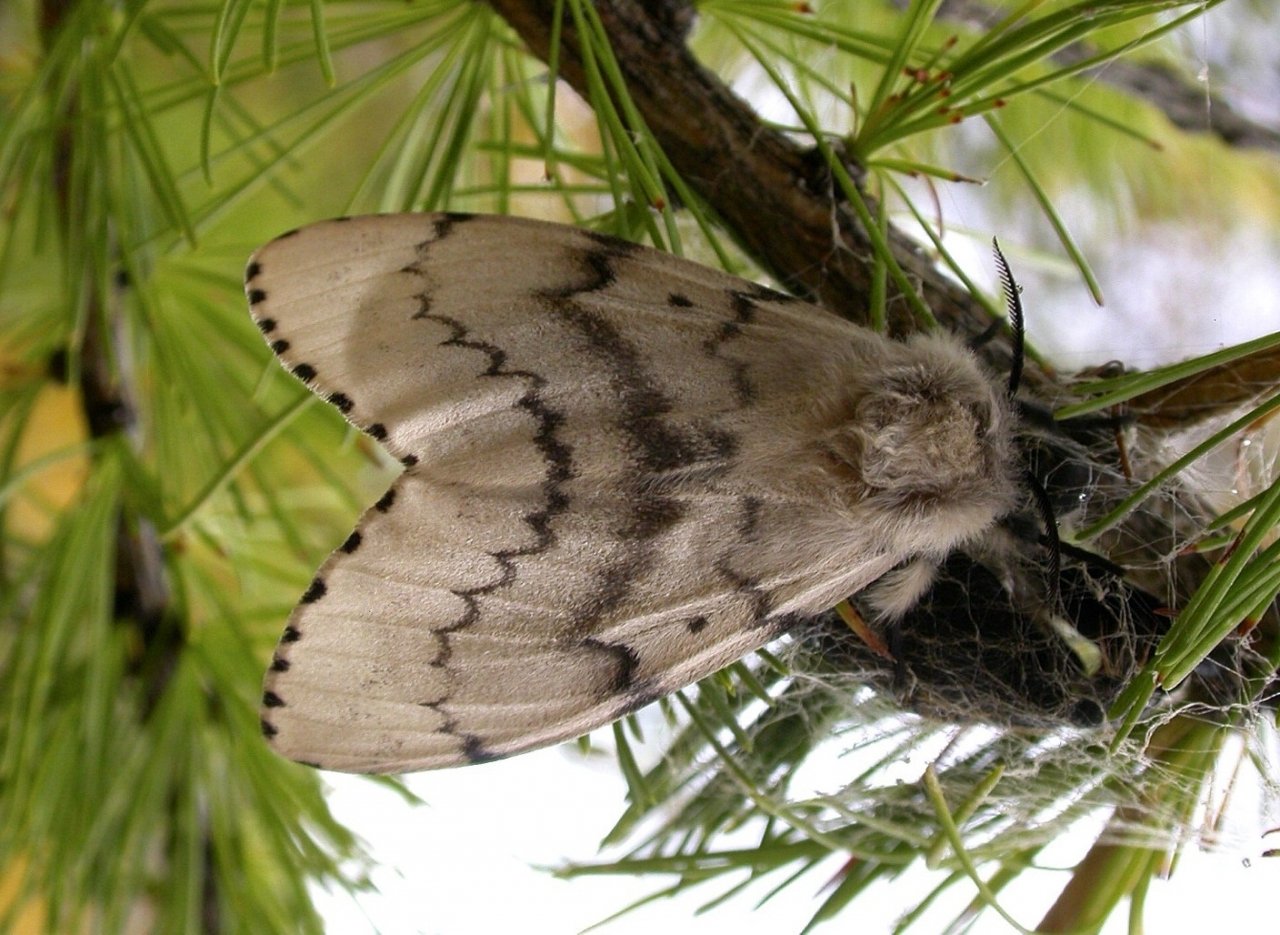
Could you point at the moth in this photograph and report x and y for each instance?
(622, 472)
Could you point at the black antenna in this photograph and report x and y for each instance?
(1017, 329)
(1050, 541)
(1013, 298)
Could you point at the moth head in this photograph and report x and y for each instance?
(928, 431)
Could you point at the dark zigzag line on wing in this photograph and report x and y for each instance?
(557, 455)
(654, 514)
(657, 448)
(660, 448)
(559, 460)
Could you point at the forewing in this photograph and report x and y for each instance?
(588, 518)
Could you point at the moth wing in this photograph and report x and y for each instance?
(588, 518)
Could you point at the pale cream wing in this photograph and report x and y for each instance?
(610, 488)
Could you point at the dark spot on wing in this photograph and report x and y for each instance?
(314, 592)
(474, 750)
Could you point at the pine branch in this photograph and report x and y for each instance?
(109, 400)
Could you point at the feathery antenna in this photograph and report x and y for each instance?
(1013, 298)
